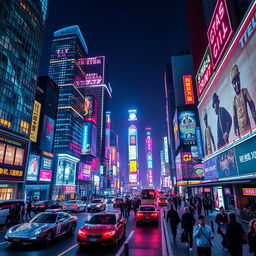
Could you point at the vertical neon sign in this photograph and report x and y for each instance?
(107, 134)
(149, 157)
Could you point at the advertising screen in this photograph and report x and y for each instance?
(249, 191)
(107, 134)
(176, 130)
(187, 127)
(246, 156)
(132, 140)
(133, 166)
(133, 178)
(66, 171)
(46, 169)
(178, 167)
(218, 198)
(47, 134)
(84, 171)
(188, 89)
(12, 158)
(227, 111)
(89, 139)
(94, 69)
(210, 169)
(33, 167)
(162, 163)
(91, 109)
(35, 121)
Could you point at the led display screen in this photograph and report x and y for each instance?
(84, 171)
(35, 121)
(46, 169)
(227, 111)
(66, 171)
(91, 109)
(89, 139)
(188, 89)
(133, 166)
(176, 130)
(47, 134)
(33, 167)
(133, 178)
(12, 158)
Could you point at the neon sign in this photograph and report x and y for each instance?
(91, 109)
(219, 32)
(204, 72)
(188, 89)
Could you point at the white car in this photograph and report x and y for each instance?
(97, 205)
(74, 206)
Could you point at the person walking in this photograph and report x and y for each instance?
(221, 220)
(234, 236)
(187, 223)
(22, 212)
(203, 236)
(10, 217)
(206, 206)
(198, 206)
(252, 237)
(174, 218)
(28, 210)
(122, 209)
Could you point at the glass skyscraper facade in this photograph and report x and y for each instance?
(68, 45)
(21, 26)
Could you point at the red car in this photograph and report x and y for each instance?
(105, 228)
(147, 213)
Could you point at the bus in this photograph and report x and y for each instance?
(148, 196)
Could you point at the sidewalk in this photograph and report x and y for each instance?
(179, 249)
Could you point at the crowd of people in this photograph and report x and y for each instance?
(231, 231)
(128, 205)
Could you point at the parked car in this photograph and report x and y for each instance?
(117, 201)
(5, 206)
(96, 205)
(162, 201)
(110, 200)
(103, 228)
(41, 206)
(44, 227)
(147, 213)
(74, 205)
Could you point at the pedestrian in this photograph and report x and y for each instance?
(174, 218)
(187, 223)
(22, 212)
(221, 220)
(28, 210)
(175, 201)
(128, 207)
(10, 217)
(203, 235)
(198, 207)
(122, 209)
(206, 206)
(234, 236)
(252, 237)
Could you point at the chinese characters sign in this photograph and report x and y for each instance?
(188, 89)
(219, 32)
(35, 121)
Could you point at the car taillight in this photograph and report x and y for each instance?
(154, 214)
(139, 214)
(73, 205)
(33, 205)
(81, 232)
(41, 205)
(64, 205)
(114, 202)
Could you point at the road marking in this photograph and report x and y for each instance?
(163, 240)
(169, 247)
(69, 249)
(126, 241)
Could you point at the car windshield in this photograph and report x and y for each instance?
(119, 199)
(147, 209)
(97, 201)
(103, 219)
(72, 201)
(45, 218)
(40, 202)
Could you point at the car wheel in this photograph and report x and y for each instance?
(72, 229)
(49, 237)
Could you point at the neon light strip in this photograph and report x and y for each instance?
(68, 156)
(66, 107)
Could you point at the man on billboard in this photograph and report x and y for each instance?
(188, 125)
(224, 121)
(242, 98)
(208, 137)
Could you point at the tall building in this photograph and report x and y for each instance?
(68, 46)
(133, 161)
(21, 26)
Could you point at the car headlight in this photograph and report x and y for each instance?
(88, 205)
(37, 232)
(98, 205)
(9, 231)
(111, 233)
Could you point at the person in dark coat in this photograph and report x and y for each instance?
(174, 219)
(234, 236)
(122, 209)
(10, 217)
(28, 210)
(252, 237)
(221, 219)
(187, 223)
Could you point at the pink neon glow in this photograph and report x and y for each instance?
(45, 175)
(219, 31)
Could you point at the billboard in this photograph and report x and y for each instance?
(227, 111)
(188, 89)
(246, 156)
(166, 154)
(89, 139)
(187, 127)
(162, 163)
(33, 167)
(176, 130)
(132, 115)
(35, 121)
(107, 134)
(91, 109)
(84, 172)
(47, 134)
(178, 167)
(12, 158)
(210, 169)
(66, 170)
(94, 70)
(150, 176)
(133, 166)
(46, 169)
(132, 132)
(219, 31)
(133, 178)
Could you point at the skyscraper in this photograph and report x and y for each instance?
(21, 30)
(67, 47)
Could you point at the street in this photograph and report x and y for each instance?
(143, 240)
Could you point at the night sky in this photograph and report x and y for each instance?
(138, 38)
